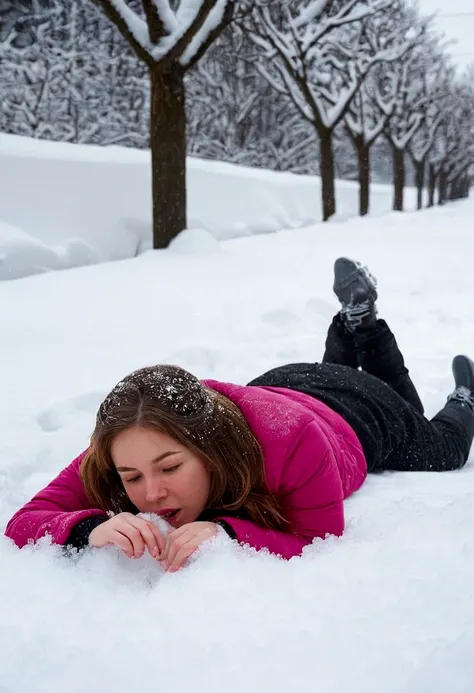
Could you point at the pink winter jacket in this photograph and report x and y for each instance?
(313, 460)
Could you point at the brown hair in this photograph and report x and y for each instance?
(169, 399)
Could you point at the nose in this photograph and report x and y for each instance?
(154, 490)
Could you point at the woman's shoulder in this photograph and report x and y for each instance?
(266, 411)
(277, 421)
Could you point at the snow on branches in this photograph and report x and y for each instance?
(177, 32)
(320, 54)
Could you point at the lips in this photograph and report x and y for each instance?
(168, 513)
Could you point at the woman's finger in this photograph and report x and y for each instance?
(183, 554)
(135, 537)
(171, 538)
(159, 538)
(149, 539)
(122, 542)
(147, 534)
(174, 544)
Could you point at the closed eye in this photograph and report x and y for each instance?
(170, 470)
(133, 480)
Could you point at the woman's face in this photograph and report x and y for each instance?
(160, 475)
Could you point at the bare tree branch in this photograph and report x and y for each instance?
(116, 18)
(197, 24)
(213, 35)
(156, 27)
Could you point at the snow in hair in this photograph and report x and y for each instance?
(173, 387)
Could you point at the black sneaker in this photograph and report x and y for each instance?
(356, 290)
(463, 371)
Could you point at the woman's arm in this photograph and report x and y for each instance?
(55, 510)
(311, 496)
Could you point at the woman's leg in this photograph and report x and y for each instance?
(443, 443)
(340, 345)
(393, 434)
(380, 355)
(376, 347)
(440, 445)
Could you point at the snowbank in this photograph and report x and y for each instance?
(70, 205)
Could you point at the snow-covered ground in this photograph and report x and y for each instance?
(102, 204)
(387, 608)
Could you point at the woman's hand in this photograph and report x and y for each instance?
(131, 534)
(182, 542)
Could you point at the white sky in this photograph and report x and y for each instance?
(459, 28)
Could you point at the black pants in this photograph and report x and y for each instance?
(380, 401)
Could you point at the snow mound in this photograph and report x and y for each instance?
(195, 241)
(21, 254)
(90, 204)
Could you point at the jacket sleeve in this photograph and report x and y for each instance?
(55, 510)
(311, 497)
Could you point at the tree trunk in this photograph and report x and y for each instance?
(420, 167)
(432, 180)
(363, 153)
(454, 191)
(327, 174)
(398, 178)
(466, 186)
(442, 187)
(168, 154)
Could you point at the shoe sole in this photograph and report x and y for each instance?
(344, 278)
(463, 372)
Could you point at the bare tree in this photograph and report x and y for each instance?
(317, 55)
(170, 38)
(406, 118)
(463, 167)
(68, 75)
(236, 116)
(454, 143)
(27, 75)
(421, 145)
(374, 104)
(436, 76)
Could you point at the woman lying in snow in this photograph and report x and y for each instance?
(270, 463)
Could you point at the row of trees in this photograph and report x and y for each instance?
(66, 75)
(377, 69)
(285, 84)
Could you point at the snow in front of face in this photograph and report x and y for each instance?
(389, 607)
(101, 198)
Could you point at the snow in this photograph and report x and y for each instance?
(301, 50)
(175, 25)
(310, 13)
(214, 19)
(101, 198)
(388, 607)
(186, 15)
(136, 25)
(166, 15)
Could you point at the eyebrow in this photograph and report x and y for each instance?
(160, 458)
